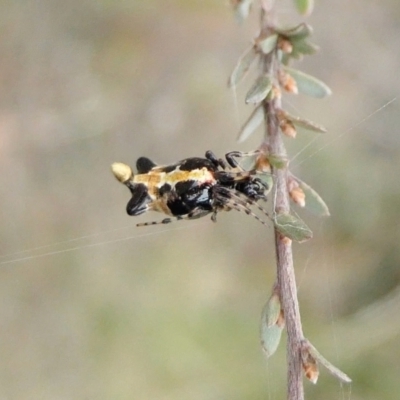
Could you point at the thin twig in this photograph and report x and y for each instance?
(273, 144)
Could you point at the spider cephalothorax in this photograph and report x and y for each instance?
(193, 187)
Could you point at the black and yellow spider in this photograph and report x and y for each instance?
(194, 187)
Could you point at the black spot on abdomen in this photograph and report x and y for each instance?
(184, 187)
(166, 188)
(190, 164)
(178, 207)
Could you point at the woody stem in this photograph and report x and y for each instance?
(273, 145)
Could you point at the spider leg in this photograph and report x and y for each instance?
(258, 180)
(196, 213)
(246, 201)
(243, 208)
(231, 157)
(164, 221)
(232, 199)
(217, 209)
(218, 162)
(231, 176)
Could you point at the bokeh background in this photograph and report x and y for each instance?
(92, 307)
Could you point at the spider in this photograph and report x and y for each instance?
(194, 187)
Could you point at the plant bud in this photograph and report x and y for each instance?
(285, 45)
(298, 196)
(288, 128)
(287, 82)
(311, 371)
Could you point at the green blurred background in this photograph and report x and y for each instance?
(99, 309)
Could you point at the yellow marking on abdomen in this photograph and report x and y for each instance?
(154, 178)
(150, 178)
(201, 175)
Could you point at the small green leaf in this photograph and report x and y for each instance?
(309, 125)
(304, 123)
(277, 161)
(293, 55)
(297, 32)
(308, 85)
(242, 66)
(270, 338)
(253, 122)
(259, 91)
(313, 200)
(292, 227)
(272, 310)
(272, 324)
(268, 44)
(304, 47)
(304, 7)
(242, 9)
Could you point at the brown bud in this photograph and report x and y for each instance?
(311, 372)
(285, 45)
(308, 362)
(275, 92)
(287, 82)
(281, 319)
(291, 85)
(262, 164)
(298, 196)
(288, 128)
(292, 183)
(286, 240)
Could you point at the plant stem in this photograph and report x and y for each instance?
(273, 144)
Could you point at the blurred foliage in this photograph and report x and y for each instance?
(99, 309)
